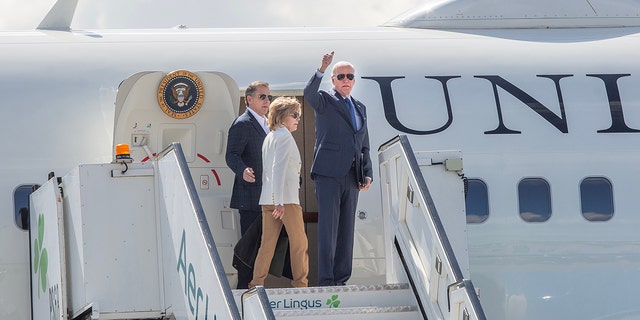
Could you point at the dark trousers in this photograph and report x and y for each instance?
(337, 200)
(245, 274)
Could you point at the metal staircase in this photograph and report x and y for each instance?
(427, 265)
(173, 255)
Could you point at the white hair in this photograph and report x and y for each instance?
(340, 64)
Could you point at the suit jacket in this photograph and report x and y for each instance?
(244, 149)
(337, 144)
(281, 168)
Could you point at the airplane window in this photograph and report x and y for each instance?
(21, 205)
(477, 202)
(596, 198)
(534, 198)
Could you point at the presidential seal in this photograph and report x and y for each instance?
(180, 94)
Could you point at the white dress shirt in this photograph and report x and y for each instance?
(262, 120)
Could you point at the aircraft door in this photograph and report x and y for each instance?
(155, 109)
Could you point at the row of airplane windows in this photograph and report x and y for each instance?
(534, 200)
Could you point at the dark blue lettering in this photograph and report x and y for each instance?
(389, 106)
(559, 122)
(618, 124)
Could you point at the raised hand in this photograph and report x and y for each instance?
(326, 61)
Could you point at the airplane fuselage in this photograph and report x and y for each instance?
(556, 104)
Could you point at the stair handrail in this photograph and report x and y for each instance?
(255, 304)
(461, 295)
(223, 305)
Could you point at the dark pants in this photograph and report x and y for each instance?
(245, 274)
(337, 200)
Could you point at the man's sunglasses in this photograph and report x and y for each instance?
(296, 115)
(264, 96)
(341, 76)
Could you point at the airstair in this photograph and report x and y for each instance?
(427, 274)
(137, 245)
(134, 239)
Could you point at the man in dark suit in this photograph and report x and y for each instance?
(244, 157)
(341, 167)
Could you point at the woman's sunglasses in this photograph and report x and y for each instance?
(296, 115)
(341, 76)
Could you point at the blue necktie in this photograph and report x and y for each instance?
(352, 111)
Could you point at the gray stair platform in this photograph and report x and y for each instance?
(381, 301)
(353, 313)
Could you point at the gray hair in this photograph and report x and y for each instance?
(342, 64)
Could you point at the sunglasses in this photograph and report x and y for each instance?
(296, 115)
(341, 76)
(264, 96)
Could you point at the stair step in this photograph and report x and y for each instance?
(341, 297)
(353, 313)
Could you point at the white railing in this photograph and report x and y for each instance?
(430, 248)
(255, 305)
(195, 283)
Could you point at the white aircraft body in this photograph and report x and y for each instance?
(541, 103)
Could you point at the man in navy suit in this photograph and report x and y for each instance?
(341, 167)
(244, 157)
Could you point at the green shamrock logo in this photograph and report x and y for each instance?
(333, 302)
(40, 259)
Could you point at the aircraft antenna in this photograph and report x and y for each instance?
(60, 16)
